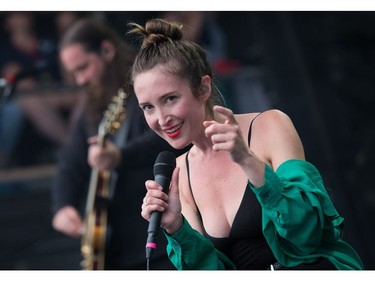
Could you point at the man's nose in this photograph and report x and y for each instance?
(81, 79)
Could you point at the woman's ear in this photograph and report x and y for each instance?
(108, 50)
(205, 87)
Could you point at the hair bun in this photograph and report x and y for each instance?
(164, 29)
(157, 31)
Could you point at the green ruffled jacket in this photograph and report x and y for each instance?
(299, 223)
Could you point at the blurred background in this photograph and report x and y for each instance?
(318, 67)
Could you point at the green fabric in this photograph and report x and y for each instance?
(300, 222)
(188, 249)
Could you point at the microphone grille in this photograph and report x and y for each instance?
(165, 163)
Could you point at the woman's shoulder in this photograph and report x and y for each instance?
(270, 117)
(274, 113)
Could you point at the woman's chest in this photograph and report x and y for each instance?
(218, 194)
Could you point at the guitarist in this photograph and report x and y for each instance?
(99, 62)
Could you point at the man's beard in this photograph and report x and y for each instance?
(97, 100)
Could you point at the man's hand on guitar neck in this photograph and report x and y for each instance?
(68, 221)
(103, 157)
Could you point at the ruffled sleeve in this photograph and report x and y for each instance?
(300, 222)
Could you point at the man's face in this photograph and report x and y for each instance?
(87, 67)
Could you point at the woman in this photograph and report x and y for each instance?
(243, 197)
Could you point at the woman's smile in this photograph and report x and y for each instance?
(174, 132)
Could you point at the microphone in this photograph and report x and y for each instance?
(164, 165)
(6, 84)
(12, 79)
(9, 82)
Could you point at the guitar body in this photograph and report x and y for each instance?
(94, 237)
(94, 240)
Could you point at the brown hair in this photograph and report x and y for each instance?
(90, 33)
(162, 44)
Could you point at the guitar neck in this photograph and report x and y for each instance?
(95, 179)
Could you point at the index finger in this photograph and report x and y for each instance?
(227, 113)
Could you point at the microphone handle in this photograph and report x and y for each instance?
(155, 219)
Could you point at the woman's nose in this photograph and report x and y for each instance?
(163, 118)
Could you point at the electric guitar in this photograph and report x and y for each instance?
(95, 223)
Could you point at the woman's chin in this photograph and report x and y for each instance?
(177, 145)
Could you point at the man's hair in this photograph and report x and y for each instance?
(90, 33)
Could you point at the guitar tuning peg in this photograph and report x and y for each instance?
(121, 93)
(116, 125)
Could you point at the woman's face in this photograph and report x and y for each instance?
(169, 106)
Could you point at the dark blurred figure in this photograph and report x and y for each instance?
(202, 28)
(38, 96)
(99, 61)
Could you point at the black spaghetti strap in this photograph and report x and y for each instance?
(251, 125)
(188, 170)
(188, 175)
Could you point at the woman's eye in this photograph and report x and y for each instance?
(146, 107)
(171, 98)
